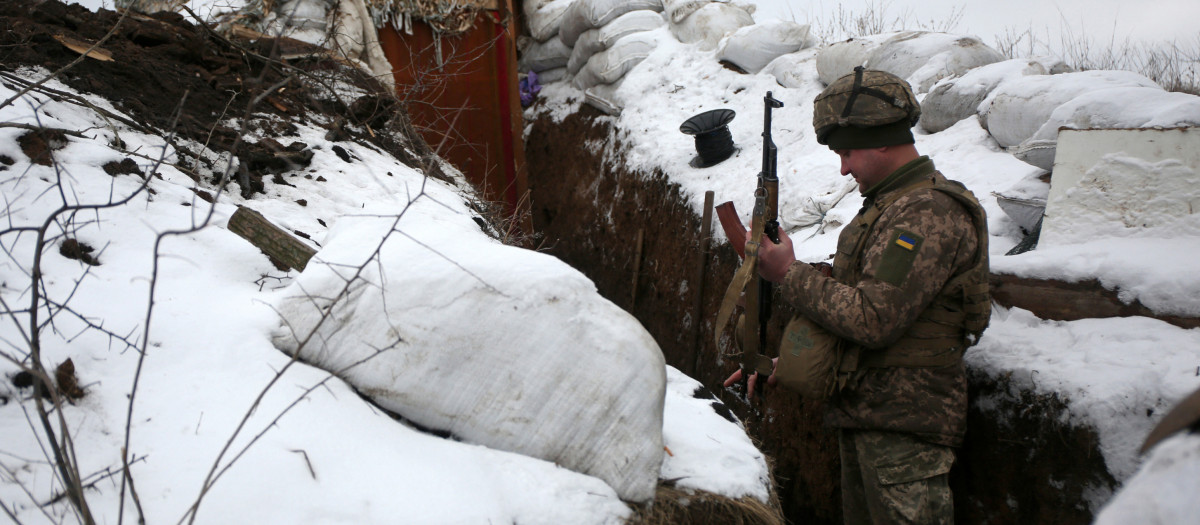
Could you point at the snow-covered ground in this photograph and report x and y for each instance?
(324, 455)
(1118, 376)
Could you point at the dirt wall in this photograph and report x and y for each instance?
(1021, 463)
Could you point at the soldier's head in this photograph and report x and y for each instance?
(866, 117)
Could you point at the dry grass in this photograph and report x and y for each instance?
(1174, 65)
(673, 506)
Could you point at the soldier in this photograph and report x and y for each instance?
(907, 295)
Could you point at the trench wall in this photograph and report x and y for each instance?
(1021, 463)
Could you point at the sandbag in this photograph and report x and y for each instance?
(542, 56)
(591, 14)
(840, 58)
(955, 98)
(1017, 108)
(792, 70)
(544, 17)
(709, 24)
(1134, 107)
(610, 65)
(598, 39)
(553, 75)
(753, 47)
(919, 57)
(605, 98)
(495, 345)
(676, 10)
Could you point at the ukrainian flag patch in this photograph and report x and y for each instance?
(906, 240)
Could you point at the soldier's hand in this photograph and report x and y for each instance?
(752, 382)
(775, 259)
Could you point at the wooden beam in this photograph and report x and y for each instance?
(1064, 301)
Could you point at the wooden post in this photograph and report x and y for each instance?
(274, 241)
(698, 282)
(637, 267)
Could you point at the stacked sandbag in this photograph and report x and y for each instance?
(792, 70)
(1133, 107)
(752, 47)
(955, 98)
(541, 57)
(1018, 107)
(610, 65)
(591, 14)
(494, 345)
(544, 17)
(920, 57)
(598, 39)
(543, 51)
(706, 24)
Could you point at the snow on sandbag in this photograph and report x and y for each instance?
(598, 39)
(840, 58)
(920, 57)
(606, 98)
(792, 70)
(544, 17)
(498, 346)
(1018, 107)
(610, 65)
(753, 47)
(709, 24)
(955, 98)
(541, 56)
(927, 57)
(1135, 107)
(591, 14)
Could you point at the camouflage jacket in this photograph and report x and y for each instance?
(918, 243)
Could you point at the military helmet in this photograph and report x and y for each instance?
(863, 100)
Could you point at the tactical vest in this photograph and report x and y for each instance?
(958, 314)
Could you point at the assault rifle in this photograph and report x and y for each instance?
(764, 221)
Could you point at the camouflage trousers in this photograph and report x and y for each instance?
(890, 477)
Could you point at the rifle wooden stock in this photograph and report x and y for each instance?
(734, 230)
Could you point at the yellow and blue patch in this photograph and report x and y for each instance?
(898, 257)
(906, 241)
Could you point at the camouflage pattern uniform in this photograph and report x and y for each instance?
(898, 422)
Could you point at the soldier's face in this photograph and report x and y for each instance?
(867, 166)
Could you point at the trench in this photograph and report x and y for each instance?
(637, 237)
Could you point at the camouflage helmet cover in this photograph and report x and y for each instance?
(865, 98)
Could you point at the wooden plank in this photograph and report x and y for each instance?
(1064, 301)
(274, 241)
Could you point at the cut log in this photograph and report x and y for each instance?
(274, 241)
(1063, 301)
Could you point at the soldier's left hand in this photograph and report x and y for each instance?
(775, 259)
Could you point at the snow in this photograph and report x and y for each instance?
(311, 451)
(303, 447)
(1110, 372)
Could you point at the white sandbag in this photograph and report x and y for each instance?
(498, 346)
(676, 10)
(709, 24)
(610, 65)
(955, 98)
(1017, 108)
(598, 39)
(591, 14)
(606, 98)
(1135, 107)
(793, 70)
(922, 58)
(840, 58)
(753, 47)
(541, 56)
(551, 76)
(544, 17)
